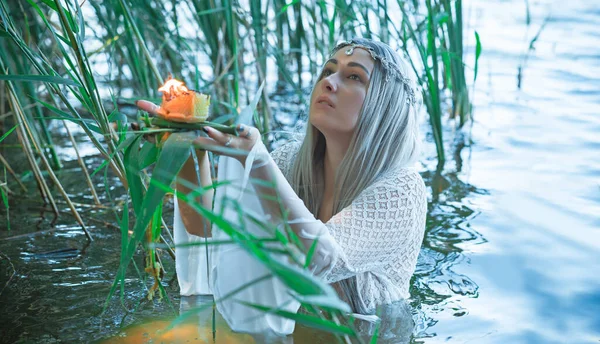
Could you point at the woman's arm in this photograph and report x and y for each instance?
(283, 205)
(195, 223)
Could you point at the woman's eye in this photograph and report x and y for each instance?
(355, 77)
(326, 72)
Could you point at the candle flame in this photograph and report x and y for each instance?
(173, 88)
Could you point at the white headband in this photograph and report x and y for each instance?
(391, 68)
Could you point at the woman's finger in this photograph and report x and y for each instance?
(205, 141)
(147, 106)
(246, 132)
(230, 145)
(209, 144)
(222, 138)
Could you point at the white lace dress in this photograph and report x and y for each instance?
(379, 237)
(368, 251)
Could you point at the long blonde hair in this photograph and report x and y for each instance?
(386, 135)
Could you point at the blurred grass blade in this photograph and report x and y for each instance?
(310, 253)
(12, 172)
(40, 78)
(477, 54)
(140, 40)
(245, 116)
(375, 337)
(55, 6)
(133, 173)
(8, 133)
(305, 319)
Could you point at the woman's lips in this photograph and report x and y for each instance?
(324, 100)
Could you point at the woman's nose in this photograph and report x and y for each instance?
(330, 84)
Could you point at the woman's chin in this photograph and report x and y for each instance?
(319, 121)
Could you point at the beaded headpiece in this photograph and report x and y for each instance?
(392, 70)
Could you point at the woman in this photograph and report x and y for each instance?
(350, 182)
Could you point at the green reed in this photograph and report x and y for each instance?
(453, 37)
(530, 48)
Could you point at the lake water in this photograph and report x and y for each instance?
(517, 249)
(512, 250)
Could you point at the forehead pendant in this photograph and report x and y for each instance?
(350, 50)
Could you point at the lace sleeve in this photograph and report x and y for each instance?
(285, 155)
(382, 230)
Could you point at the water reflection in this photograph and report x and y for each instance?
(436, 285)
(197, 316)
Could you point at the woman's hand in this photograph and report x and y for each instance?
(151, 109)
(236, 147)
(147, 106)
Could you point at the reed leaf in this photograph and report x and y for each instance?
(63, 115)
(140, 40)
(434, 108)
(41, 78)
(133, 173)
(12, 172)
(195, 310)
(172, 157)
(477, 55)
(26, 135)
(305, 319)
(460, 94)
(8, 133)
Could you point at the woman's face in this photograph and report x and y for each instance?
(340, 92)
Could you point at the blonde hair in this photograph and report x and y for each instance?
(386, 135)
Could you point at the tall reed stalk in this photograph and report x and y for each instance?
(453, 36)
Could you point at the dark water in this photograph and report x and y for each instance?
(512, 250)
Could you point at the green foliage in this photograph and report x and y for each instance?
(173, 155)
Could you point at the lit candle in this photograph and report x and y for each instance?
(181, 104)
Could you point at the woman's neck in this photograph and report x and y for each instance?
(334, 154)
